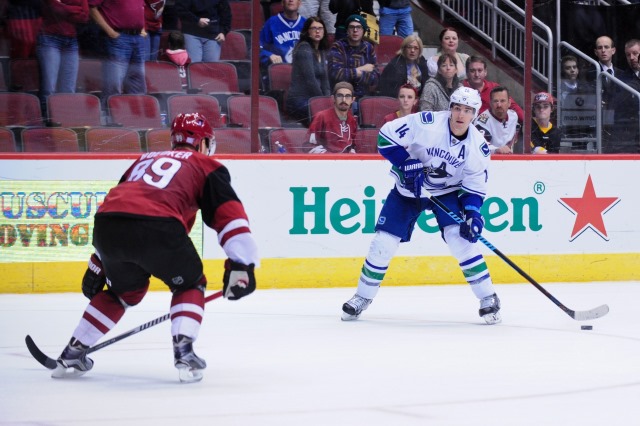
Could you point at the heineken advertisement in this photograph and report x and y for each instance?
(315, 218)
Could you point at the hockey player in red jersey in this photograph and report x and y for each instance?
(142, 229)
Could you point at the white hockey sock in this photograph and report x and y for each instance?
(381, 251)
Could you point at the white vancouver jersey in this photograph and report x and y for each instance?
(497, 133)
(450, 164)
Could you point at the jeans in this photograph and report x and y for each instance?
(202, 49)
(400, 19)
(123, 70)
(152, 45)
(58, 59)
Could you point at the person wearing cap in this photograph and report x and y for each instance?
(433, 155)
(353, 60)
(545, 137)
(345, 8)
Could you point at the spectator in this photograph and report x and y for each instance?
(476, 78)
(309, 76)
(278, 37)
(153, 10)
(396, 15)
(334, 129)
(408, 66)
(344, 9)
(448, 44)
(122, 22)
(407, 100)
(571, 82)
(24, 18)
(632, 53)
(354, 60)
(630, 102)
(438, 89)
(57, 48)
(604, 51)
(320, 8)
(204, 25)
(177, 54)
(499, 124)
(545, 137)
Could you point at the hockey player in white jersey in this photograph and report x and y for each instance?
(442, 153)
(499, 124)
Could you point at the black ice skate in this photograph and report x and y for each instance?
(73, 361)
(189, 364)
(490, 309)
(352, 309)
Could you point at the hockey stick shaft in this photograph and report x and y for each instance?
(580, 316)
(50, 363)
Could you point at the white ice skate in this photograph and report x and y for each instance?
(490, 309)
(189, 365)
(73, 362)
(352, 309)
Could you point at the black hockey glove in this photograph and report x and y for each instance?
(471, 228)
(94, 278)
(239, 280)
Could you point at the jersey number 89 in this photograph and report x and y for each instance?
(156, 173)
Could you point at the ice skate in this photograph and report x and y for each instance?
(189, 364)
(490, 309)
(352, 309)
(73, 361)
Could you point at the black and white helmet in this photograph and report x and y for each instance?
(466, 96)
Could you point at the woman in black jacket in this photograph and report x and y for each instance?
(346, 8)
(407, 67)
(204, 25)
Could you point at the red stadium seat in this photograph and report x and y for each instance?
(241, 15)
(204, 104)
(158, 140)
(239, 108)
(233, 141)
(112, 139)
(7, 141)
(19, 109)
(319, 103)
(162, 77)
(388, 48)
(374, 108)
(210, 77)
(367, 141)
(279, 82)
(49, 139)
(293, 140)
(74, 109)
(89, 76)
(234, 47)
(135, 111)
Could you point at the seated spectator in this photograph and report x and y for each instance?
(545, 137)
(354, 60)
(309, 76)
(177, 54)
(346, 8)
(571, 82)
(499, 124)
(408, 66)
(448, 44)
(437, 90)
(204, 25)
(407, 100)
(153, 27)
(278, 37)
(57, 47)
(477, 79)
(334, 130)
(396, 15)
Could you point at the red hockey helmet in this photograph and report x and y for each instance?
(190, 129)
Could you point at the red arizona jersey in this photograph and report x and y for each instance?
(176, 184)
(331, 132)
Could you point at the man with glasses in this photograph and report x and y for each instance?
(353, 60)
(440, 152)
(334, 129)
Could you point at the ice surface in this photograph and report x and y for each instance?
(417, 356)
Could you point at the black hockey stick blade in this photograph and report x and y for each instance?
(51, 363)
(591, 314)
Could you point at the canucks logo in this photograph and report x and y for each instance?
(437, 177)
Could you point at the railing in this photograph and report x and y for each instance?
(501, 24)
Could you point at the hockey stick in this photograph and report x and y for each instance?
(576, 315)
(51, 363)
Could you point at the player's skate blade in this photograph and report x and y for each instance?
(62, 372)
(352, 309)
(492, 319)
(187, 374)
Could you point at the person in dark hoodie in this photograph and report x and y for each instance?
(204, 24)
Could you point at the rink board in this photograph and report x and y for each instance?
(560, 218)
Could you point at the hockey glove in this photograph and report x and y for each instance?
(94, 278)
(471, 228)
(413, 173)
(239, 280)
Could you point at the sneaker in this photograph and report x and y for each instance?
(189, 364)
(352, 309)
(73, 361)
(490, 309)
